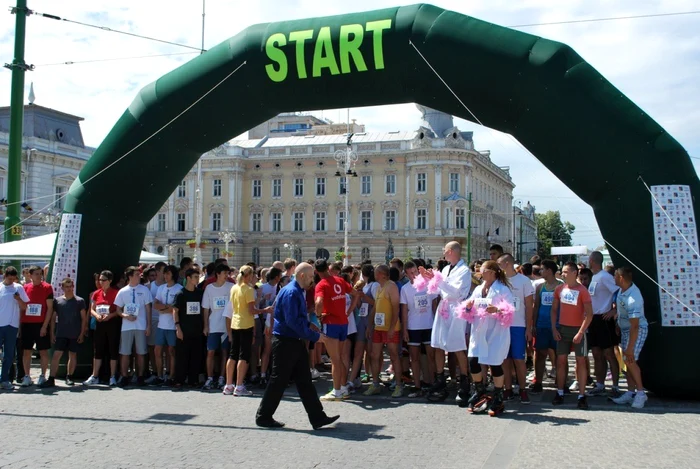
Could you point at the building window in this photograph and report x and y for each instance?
(366, 185)
(390, 220)
(297, 254)
(275, 254)
(182, 189)
(320, 187)
(460, 218)
(256, 222)
(421, 182)
(342, 185)
(365, 254)
(179, 254)
(454, 182)
(421, 219)
(161, 222)
(390, 184)
(215, 254)
(298, 187)
(257, 188)
(276, 222)
(59, 197)
(320, 221)
(277, 188)
(256, 256)
(181, 222)
(322, 253)
(341, 221)
(366, 220)
(216, 221)
(298, 221)
(216, 188)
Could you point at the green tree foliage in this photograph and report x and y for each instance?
(551, 231)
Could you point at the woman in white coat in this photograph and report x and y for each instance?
(489, 340)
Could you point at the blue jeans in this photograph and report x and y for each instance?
(8, 342)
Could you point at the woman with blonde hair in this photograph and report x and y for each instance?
(240, 320)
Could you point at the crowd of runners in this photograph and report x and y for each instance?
(443, 328)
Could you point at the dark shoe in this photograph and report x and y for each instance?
(524, 398)
(177, 387)
(477, 398)
(497, 406)
(123, 382)
(140, 381)
(582, 403)
(272, 423)
(558, 399)
(49, 383)
(326, 421)
(69, 381)
(463, 394)
(508, 395)
(535, 388)
(263, 383)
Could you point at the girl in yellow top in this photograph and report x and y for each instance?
(242, 330)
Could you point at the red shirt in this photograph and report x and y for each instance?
(333, 291)
(571, 304)
(36, 308)
(99, 297)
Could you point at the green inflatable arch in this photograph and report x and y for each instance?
(571, 118)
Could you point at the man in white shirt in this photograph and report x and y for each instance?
(134, 305)
(13, 299)
(216, 295)
(153, 286)
(602, 335)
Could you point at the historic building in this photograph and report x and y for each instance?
(525, 232)
(408, 194)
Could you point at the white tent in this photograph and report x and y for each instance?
(40, 248)
(564, 250)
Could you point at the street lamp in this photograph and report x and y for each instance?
(292, 249)
(226, 236)
(50, 220)
(170, 248)
(346, 160)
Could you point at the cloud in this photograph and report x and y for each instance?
(653, 61)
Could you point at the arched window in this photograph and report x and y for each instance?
(365, 254)
(215, 254)
(275, 254)
(256, 256)
(322, 253)
(179, 254)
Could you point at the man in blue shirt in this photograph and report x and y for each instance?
(290, 356)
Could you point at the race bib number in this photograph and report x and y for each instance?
(570, 297)
(364, 310)
(482, 303)
(592, 287)
(380, 319)
(33, 309)
(193, 307)
(516, 302)
(219, 302)
(422, 304)
(547, 298)
(102, 310)
(132, 309)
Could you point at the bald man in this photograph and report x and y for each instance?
(289, 354)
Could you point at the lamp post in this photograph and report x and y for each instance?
(170, 248)
(226, 236)
(346, 160)
(50, 220)
(292, 249)
(198, 219)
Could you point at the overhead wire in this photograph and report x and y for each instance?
(611, 18)
(76, 62)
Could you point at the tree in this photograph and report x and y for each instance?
(551, 231)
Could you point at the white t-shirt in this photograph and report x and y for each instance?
(602, 289)
(215, 299)
(420, 307)
(134, 300)
(166, 295)
(154, 287)
(522, 288)
(9, 309)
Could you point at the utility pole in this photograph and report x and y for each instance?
(13, 229)
(520, 244)
(469, 231)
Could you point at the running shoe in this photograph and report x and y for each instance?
(626, 398)
(69, 380)
(331, 396)
(228, 389)
(27, 381)
(508, 395)
(263, 382)
(364, 378)
(558, 399)
(112, 381)
(151, 380)
(241, 390)
(535, 388)
(326, 359)
(417, 392)
(41, 380)
(221, 383)
(49, 383)
(597, 391)
(315, 373)
(6, 386)
(582, 403)
(531, 376)
(524, 398)
(639, 400)
(574, 386)
(357, 384)
(208, 384)
(373, 390)
(398, 392)
(91, 381)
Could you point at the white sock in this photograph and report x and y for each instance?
(263, 375)
(337, 392)
(560, 392)
(343, 389)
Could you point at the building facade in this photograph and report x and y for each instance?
(525, 232)
(409, 193)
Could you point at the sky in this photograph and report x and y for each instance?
(654, 61)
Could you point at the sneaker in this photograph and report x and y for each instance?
(582, 403)
(123, 381)
(6, 386)
(315, 373)
(158, 382)
(597, 391)
(208, 385)
(326, 359)
(639, 400)
(524, 398)
(221, 383)
(331, 396)
(112, 381)
(626, 398)
(373, 390)
(516, 389)
(357, 384)
(608, 376)
(27, 381)
(152, 380)
(91, 381)
(552, 373)
(531, 376)
(398, 392)
(574, 387)
(263, 382)
(558, 399)
(350, 386)
(508, 395)
(135, 379)
(614, 392)
(48, 383)
(140, 381)
(69, 380)
(241, 391)
(228, 389)
(417, 392)
(590, 381)
(535, 388)
(40, 381)
(255, 379)
(364, 378)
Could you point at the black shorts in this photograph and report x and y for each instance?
(31, 334)
(106, 339)
(418, 337)
(65, 344)
(601, 333)
(241, 344)
(259, 331)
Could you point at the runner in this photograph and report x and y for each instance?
(367, 291)
(269, 293)
(495, 251)
(633, 328)
(189, 324)
(156, 281)
(13, 300)
(573, 302)
(166, 336)
(108, 326)
(68, 331)
(216, 295)
(34, 328)
(417, 321)
(545, 345)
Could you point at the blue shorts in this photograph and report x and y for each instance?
(214, 341)
(517, 343)
(165, 337)
(641, 338)
(336, 331)
(544, 340)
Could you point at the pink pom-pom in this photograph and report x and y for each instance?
(444, 310)
(465, 313)
(481, 312)
(420, 283)
(434, 284)
(505, 312)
